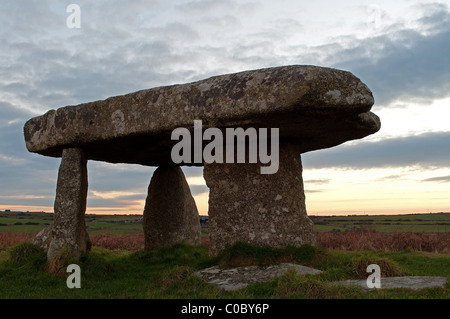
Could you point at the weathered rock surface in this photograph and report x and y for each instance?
(170, 214)
(45, 237)
(68, 229)
(314, 106)
(231, 279)
(259, 209)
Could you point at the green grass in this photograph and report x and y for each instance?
(16, 222)
(170, 273)
(113, 228)
(241, 254)
(437, 222)
(33, 222)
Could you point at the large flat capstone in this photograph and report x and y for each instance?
(313, 107)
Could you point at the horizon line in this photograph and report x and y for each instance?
(201, 215)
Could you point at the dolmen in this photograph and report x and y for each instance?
(246, 129)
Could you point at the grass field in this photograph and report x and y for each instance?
(32, 222)
(170, 273)
(420, 232)
(118, 267)
(437, 222)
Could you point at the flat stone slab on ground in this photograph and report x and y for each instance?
(231, 279)
(409, 282)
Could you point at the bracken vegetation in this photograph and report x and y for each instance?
(371, 240)
(349, 240)
(9, 239)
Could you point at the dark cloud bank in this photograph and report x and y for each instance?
(427, 150)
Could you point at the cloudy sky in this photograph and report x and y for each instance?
(400, 49)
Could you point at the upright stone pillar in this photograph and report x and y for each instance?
(259, 209)
(170, 213)
(69, 229)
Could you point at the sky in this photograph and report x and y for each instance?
(399, 49)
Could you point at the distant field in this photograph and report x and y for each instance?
(437, 222)
(33, 222)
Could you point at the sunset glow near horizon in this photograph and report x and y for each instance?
(400, 50)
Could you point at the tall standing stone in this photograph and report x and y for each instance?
(259, 209)
(170, 214)
(69, 228)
